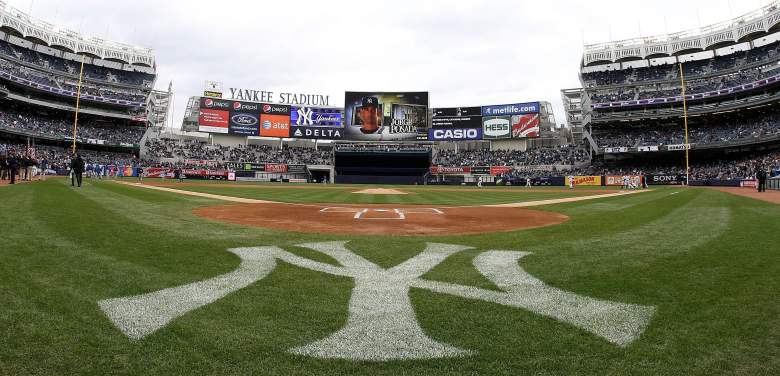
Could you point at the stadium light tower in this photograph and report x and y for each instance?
(685, 121)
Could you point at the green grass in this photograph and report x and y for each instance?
(707, 260)
(430, 195)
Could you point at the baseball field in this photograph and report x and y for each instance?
(241, 279)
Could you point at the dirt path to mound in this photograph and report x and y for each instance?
(385, 219)
(768, 196)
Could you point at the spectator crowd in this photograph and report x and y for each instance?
(159, 148)
(564, 155)
(56, 125)
(705, 131)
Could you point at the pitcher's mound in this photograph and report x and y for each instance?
(380, 191)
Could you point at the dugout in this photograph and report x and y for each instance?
(382, 163)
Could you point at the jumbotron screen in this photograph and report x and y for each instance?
(386, 116)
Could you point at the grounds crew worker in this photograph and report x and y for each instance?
(77, 168)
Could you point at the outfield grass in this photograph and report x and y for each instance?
(708, 261)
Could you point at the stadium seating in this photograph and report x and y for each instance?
(192, 149)
(567, 155)
(60, 125)
(706, 131)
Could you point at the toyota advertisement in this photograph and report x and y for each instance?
(383, 116)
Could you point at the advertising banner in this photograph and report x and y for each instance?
(440, 170)
(648, 148)
(616, 150)
(275, 126)
(480, 170)
(319, 117)
(525, 126)
(382, 116)
(665, 179)
(677, 147)
(455, 134)
(244, 124)
(511, 109)
(238, 166)
(500, 170)
(213, 121)
(584, 180)
(274, 167)
(496, 127)
(317, 133)
(617, 181)
(457, 117)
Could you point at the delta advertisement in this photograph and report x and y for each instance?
(386, 116)
(243, 118)
(457, 117)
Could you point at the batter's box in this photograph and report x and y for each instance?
(382, 213)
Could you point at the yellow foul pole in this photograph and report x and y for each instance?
(685, 121)
(78, 100)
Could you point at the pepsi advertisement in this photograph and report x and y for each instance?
(244, 119)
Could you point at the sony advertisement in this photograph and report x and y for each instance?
(382, 116)
(457, 117)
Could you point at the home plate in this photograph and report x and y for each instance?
(381, 191)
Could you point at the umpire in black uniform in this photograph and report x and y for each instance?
(13, 165)
(761, 176)
(77, 168)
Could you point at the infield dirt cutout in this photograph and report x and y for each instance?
(385, 219)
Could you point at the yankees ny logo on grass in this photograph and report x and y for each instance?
(381, 324)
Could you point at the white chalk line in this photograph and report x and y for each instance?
(510, 205)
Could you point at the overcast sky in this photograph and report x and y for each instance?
(464, 52)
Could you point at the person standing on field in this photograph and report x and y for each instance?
(77, 167)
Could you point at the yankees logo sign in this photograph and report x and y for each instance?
(382, 325)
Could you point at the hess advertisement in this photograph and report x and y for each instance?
(383, 116)
(496, 127)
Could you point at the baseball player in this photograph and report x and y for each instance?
(571, 181)
(479, 182)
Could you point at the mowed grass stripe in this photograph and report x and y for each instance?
(66, 248)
